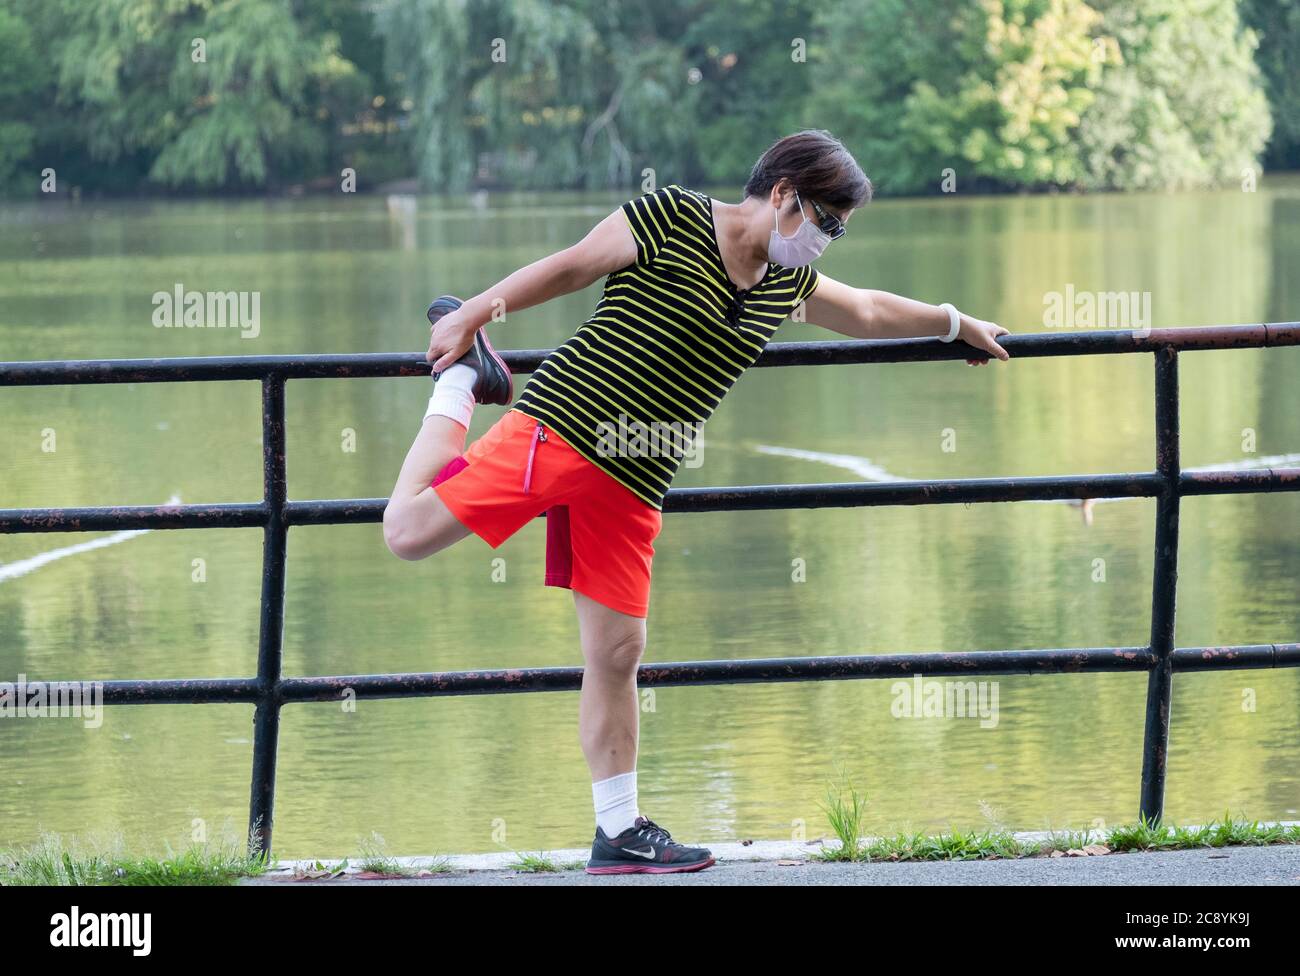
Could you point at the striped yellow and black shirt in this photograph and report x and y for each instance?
(670, 335)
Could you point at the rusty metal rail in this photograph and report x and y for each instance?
(275, 514)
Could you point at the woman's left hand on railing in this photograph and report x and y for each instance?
(982, 335)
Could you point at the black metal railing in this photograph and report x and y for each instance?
(275, 514)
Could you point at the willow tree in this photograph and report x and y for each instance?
(210, 93)
(518, 89)
(24, 77)
(585, 93)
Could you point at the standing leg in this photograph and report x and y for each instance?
(626, 840)
(612, 644)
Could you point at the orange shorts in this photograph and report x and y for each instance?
(599, 534)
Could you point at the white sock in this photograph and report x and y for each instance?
(615, 800)
(453, 394)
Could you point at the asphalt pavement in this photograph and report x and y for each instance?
(1272, 865)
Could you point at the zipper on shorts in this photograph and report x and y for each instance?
(539, 437)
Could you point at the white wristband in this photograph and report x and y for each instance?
(954, 322)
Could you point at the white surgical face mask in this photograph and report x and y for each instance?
(804, 246)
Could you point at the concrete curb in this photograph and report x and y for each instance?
(759, 850)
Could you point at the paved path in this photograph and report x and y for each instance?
(1274, 865)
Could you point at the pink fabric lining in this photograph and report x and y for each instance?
(559, 547)
(454, 466)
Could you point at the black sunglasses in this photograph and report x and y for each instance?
(830, 225)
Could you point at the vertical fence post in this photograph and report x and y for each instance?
(266, 719)
(1164, 585)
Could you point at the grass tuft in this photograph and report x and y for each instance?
(537, 863)
(845, 808)
(373, 859)
(54, 860)
(956, 845)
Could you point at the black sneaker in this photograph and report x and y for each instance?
(644, 848)
(494, 383)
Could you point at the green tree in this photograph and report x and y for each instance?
(525, 92)
(240, 94)
(752, 60)
(1184, 107)
(198, 94)
(24, 78)
(1105, 94)
(990, 88)
(585, 93)
(213, 90)
(1277, 22)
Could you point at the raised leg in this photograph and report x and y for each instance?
(416, 522)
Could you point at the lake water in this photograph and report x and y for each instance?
(717, 763)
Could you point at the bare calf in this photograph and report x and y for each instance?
(416, 522)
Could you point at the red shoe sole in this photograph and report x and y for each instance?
(652, 868)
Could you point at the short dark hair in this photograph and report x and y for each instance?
(817, 165)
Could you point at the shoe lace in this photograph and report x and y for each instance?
(651, 830)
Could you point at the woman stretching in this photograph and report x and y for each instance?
(695, 289)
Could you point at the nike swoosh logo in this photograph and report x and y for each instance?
(633, 850)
